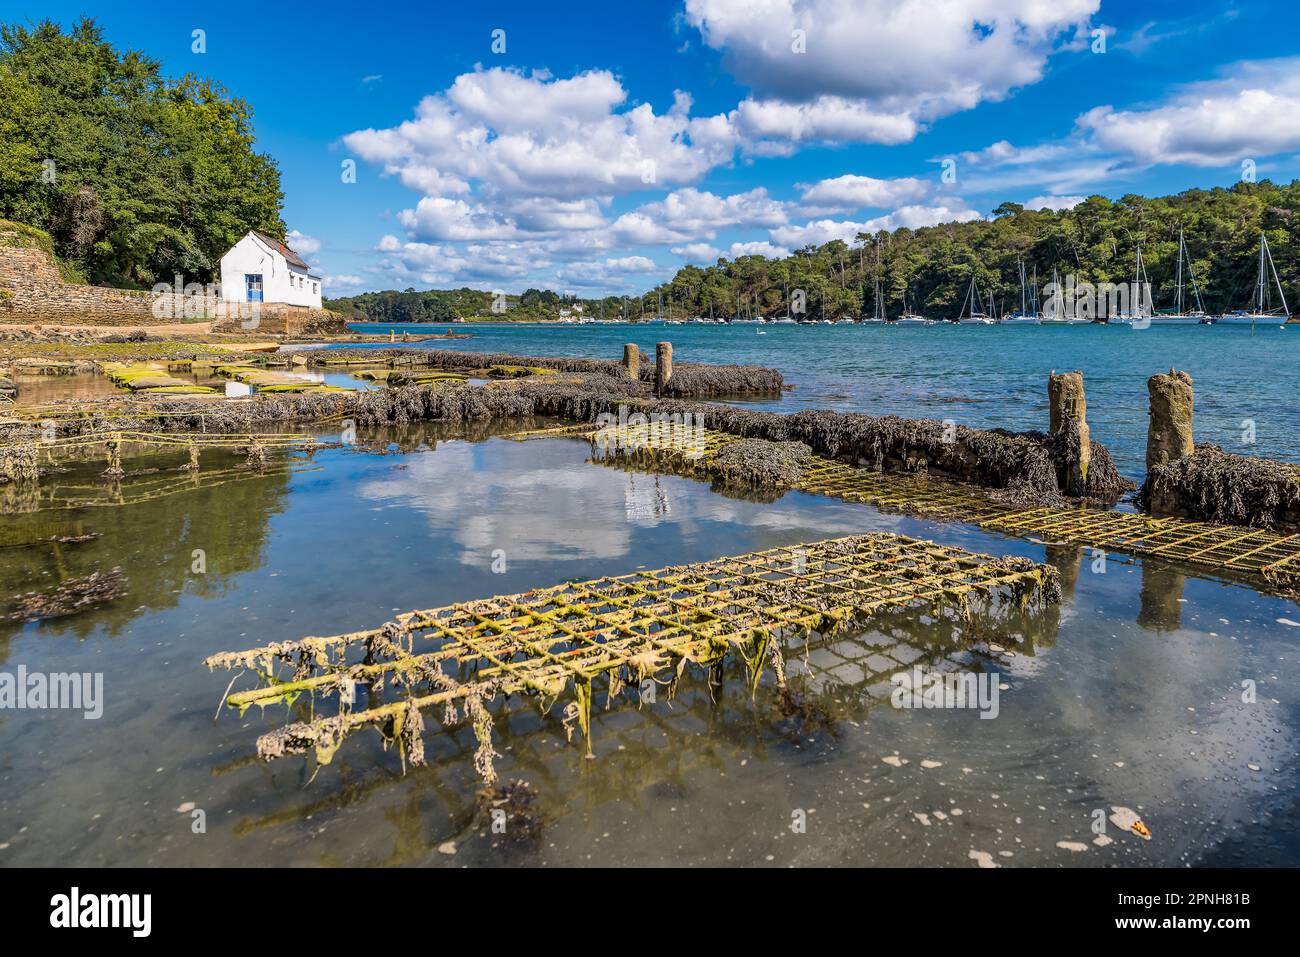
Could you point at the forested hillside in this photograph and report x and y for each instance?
(450, 305)
(136, 177)
(1095, 241)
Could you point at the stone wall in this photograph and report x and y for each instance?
(33, 291)
(17, 263)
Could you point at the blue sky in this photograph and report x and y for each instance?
(609, 144)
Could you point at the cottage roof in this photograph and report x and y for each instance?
(290, 256)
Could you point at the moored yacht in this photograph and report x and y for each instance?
(1138, 313)
(879, 314)
(1259, 312)
(977, 315)
(1181, 316)
(1024, 316)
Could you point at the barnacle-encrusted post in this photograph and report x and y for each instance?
(663, 365)
(1068, 422)
(114, 449)
(632, 361)
(1169, 432)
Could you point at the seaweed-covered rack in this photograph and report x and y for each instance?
(629, 629)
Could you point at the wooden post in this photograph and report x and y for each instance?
(1068, 414)
(1169, 432)
(663, 365)
(632, 360)
(114, 448)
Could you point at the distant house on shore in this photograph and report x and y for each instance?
(260, 268)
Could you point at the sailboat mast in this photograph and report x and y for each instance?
(1259, 282)
(1137, 282)
(1182, 248)
(1286, 312)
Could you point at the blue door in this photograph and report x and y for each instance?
(253, 285)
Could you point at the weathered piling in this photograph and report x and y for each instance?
(632, 360)
(663, 366)
(1068, 423)
(1169, 432)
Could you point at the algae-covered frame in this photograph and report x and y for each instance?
(652, 624)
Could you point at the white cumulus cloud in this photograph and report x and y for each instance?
(876, 70)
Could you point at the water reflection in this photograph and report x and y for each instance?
(154, 546)
(1094, 713)
(1162, 597)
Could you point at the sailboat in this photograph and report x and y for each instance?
(1137, 312)
(879, 314)
(1056, 315)
(977, 317)
(1023, 317)
(1180, 317)
(911, 318)
(1259, 311)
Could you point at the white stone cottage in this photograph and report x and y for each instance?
(262, 269)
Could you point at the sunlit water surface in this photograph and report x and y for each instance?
(982, 376)
(1130, 693)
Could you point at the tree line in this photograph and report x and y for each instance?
(450, 305)
(928, 271)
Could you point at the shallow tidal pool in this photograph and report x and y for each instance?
(1147, 687)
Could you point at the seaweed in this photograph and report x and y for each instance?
(758, 462)
(72, 596)
(1218, 486)
(515, 805)
(688, 379)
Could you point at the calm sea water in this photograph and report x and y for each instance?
(983, 376)
(1129, 693)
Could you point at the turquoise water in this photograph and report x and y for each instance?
(982, 376)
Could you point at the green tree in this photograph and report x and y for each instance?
(135, 176)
